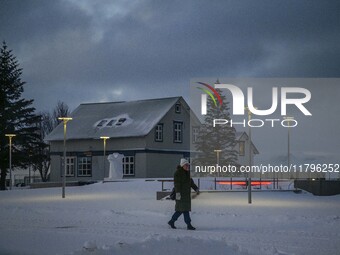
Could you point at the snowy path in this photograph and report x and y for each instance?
(40, 222)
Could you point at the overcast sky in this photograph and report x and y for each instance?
(92, 51)
(81, 51)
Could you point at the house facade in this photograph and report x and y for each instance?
(151, 134)
(245, 148)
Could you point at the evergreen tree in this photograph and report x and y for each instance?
(220, 137)
(16, 116)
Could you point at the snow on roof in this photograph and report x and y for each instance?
(116, 119)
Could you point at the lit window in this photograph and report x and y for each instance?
(159, 133)
(241, 148)
(129, 165)
(178, 129)
(84, 166)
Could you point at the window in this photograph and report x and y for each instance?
(195, 132)
(111, 122)
(159, 133)
(129, 165)
(84, 166)
(120, 121)
(241, 148)
(70, 166)
(101, 123)
(178, 108)
(178, 126)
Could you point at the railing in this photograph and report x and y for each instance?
(234, 183)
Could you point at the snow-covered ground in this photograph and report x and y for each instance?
(126, 218)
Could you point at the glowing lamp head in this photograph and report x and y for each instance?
(64, 118)
(10, 135)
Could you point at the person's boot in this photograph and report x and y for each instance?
(190, 227)
(172, 224)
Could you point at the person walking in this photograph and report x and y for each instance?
(183, 184)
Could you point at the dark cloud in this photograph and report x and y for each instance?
(79, 51)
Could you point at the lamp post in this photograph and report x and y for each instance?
(65, 120)
(250, 153)
(217, 159)
(104, 141)
(289, 119)
(10, 136)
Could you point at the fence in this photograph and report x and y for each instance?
(229, 184)
(233, 183)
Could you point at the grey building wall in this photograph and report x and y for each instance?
(247, 157)
(55, 169)
(168, 138)
(96, 145)
(165, 155)
(140, 165)
(97, 169)
(162, 165)
(152, 159)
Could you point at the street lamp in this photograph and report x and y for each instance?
(104, 141)
(250, 153)
(289, 119)
(65, 120)
(10, 136)
(217, 160)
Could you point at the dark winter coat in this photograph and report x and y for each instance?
(183, 184)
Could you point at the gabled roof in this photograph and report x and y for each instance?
(240, 134)
(116, 119)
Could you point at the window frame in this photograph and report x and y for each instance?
(79, 161)
(159, 132)
(102, 123)
(68, 165)
(178, 108)
(195, 133)
(131, 164)
(178, 133)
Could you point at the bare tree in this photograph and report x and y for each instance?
(47, 123)
(41, 158)
(61, 110)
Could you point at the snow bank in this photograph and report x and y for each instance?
(156, 244)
